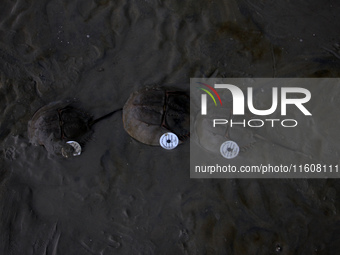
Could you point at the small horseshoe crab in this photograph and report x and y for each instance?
(151, 112)
(62, 128)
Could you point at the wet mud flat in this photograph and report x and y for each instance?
(124, 197)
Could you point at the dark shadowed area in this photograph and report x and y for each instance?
(124, 197)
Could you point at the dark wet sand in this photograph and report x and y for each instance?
(124, 197)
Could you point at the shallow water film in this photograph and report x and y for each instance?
(121, 196)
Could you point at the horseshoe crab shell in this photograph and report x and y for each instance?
(211, 138)
(151, 112)
(56, 123)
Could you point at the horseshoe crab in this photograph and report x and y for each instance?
(61, 128)
(151, 112)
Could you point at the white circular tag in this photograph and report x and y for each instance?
(168, 141)
(229, 149)
(76, 146)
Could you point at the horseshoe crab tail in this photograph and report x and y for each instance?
(104, 117)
